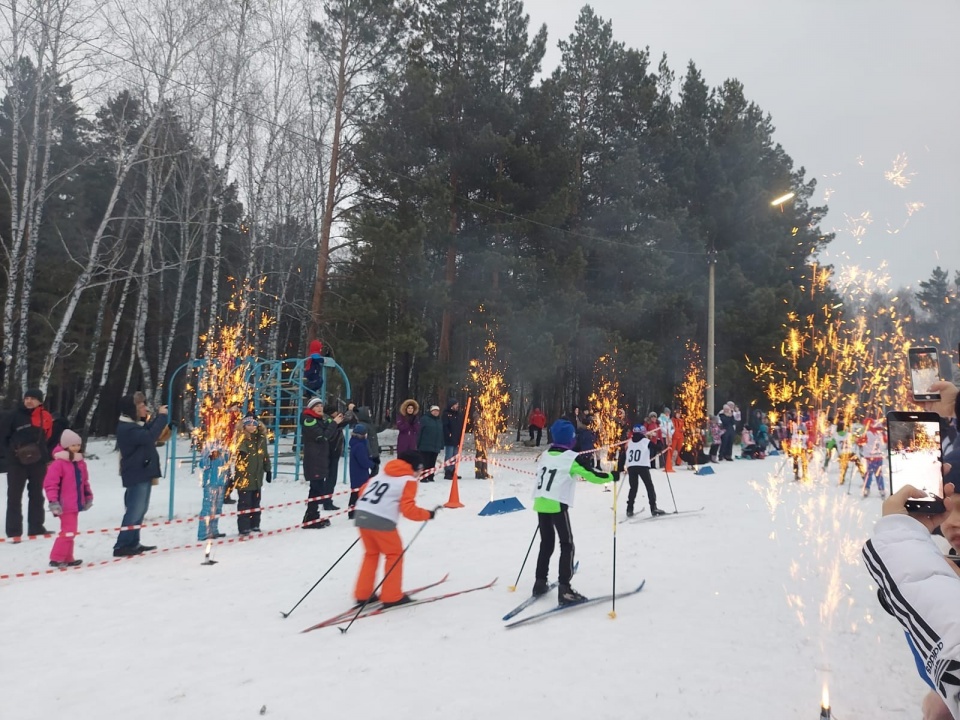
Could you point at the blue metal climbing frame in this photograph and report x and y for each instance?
(278, 396)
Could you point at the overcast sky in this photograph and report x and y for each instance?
(851, 85)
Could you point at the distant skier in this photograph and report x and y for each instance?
(638, 468)
(556, 472)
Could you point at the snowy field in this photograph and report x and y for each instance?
(717, 632)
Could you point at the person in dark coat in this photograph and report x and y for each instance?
(361, 466)
(452, 430)
(408, 426)
(317, 432)
(373, 442)
(139, 470)
(430, 441)
(337, 446)
(313, 371)
(25, 435)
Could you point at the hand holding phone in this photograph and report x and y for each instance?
(914, 458)
(946, 406)
(924, 373)
(897, 503)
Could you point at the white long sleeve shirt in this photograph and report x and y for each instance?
(923, 592)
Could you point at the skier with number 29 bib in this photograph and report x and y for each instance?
(557, 473)
(382, 500)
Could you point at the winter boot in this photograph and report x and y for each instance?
(540, 587)
(654, 510)
(569, 596)
(330, 507)
(629, 510)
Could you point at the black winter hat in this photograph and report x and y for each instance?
(128, 407)
(413, 458)
(34, 393)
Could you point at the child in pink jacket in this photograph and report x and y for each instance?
(67, 486)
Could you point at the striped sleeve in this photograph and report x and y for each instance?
(921, 590)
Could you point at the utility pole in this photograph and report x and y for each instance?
(711, 330)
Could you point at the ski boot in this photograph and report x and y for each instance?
(569, 596)
(630, 512)
(655, 511)
(404, 600)
(540, 587)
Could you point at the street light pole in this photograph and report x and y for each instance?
(711, 331)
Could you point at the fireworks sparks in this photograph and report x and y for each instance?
(492, 397)
(857, 225)
(837, 364)
(605, 401)
(898, 175)
(914, 207)
(223, 386)
(691, 401)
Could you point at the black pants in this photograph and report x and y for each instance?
(640, 473)
(534, 430)
(248, 500)
(318, 487)
(330, 485)
(429, 461)
(559, 522)
(29, 477)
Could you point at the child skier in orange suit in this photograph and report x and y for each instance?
(385, 496)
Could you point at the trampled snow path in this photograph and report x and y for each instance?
(711, 636)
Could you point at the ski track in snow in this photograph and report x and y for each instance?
(710, 636)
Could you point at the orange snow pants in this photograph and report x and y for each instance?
(375, 544)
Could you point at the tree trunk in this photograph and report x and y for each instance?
(108, 355)
(125, 161)
(333, 183)
(449, 278)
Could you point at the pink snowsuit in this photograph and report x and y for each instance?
(68, 483)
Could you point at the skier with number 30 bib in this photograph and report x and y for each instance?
(383, 499)
(557, 473)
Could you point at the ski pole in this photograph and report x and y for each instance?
(287, 614)
(670, 485)
(513, 588)
(613, 595)
(385, 576)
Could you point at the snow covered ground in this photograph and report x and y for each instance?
(716, 633)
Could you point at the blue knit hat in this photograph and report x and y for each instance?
(359, 429)
(563, 433)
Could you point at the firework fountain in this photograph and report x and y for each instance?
(840, 362)
(604, 401)
(224, 392)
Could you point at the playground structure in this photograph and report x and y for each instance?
(276, 394)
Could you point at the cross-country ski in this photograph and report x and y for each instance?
(574, 606)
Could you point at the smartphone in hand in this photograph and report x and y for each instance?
(924, 371)
(914, 458)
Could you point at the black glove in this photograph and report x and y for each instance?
(433, 514)
(268, 476)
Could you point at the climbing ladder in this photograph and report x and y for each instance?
(277, 396)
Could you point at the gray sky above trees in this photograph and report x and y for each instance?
(851, 84)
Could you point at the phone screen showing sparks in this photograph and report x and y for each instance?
(914, 451)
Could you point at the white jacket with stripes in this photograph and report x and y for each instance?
(921, 590)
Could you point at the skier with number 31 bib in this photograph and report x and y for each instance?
(557, 473)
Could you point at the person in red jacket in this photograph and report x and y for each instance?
(537, 422)
(383, 499)
(25, 435)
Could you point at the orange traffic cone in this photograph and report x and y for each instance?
(454, 500)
